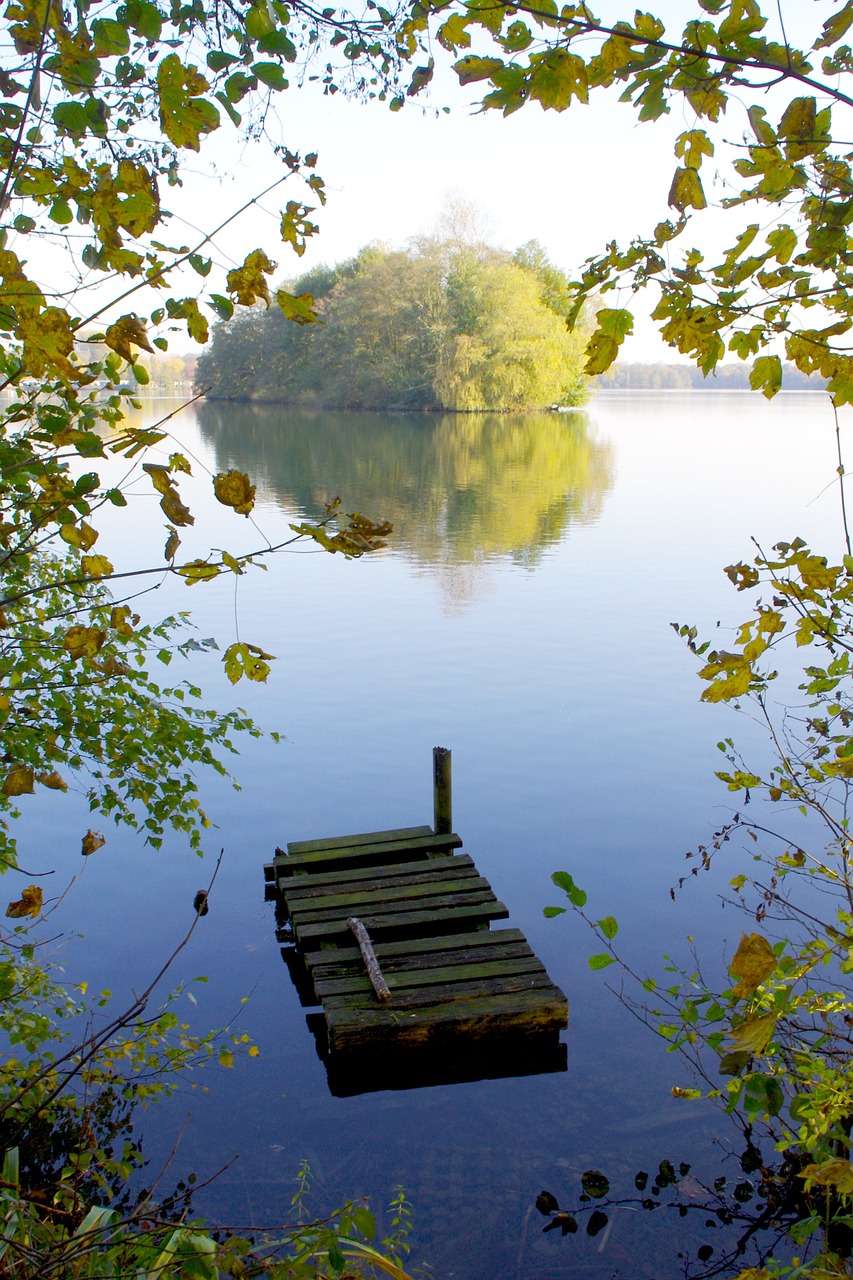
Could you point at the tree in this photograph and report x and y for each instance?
(99, 107)
(449, 323)
(785, 279)
(771, 1040)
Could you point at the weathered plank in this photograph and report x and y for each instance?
(430, 997)
(298, 889)
(365, 854)
(437, 975)
(531, 1010)
(425, 960)
(386, 898)
(364, 837)
(389, 951)
(436, 901)
(423, 923)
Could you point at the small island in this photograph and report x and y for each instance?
(445, 324)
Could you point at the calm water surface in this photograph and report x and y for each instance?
(520, 616)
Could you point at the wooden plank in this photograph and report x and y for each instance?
(423, 923)
(365, 854)
(437, 975)
(430, 997)
(385, 898)
(524, 1010)
(435, 901)
(388, 951)
(364, 837)
(432, 959)
(298, 887)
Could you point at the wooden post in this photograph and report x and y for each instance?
(442, 791)
(368, 955)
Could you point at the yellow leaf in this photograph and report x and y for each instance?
(691, 1094)
(96, 566)
(81, 535)
(48, 340)
(126, 330)
(19, 781)
(29, 904)
(815, 573)
(197, 571)
(231, 563)
(160, 477)
(254, 1051)
(174, 510)
(830, 1173)
(686, 191)
(246, 660)
(121, 619)
(751, 964)
(83, 642)
(234, 489)
(226, 1058)
(112, 666)
(53, 780)
(754, 1035)
(732, 687)
(248, 282)
(92, 840)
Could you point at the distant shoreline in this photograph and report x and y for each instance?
(687, 377)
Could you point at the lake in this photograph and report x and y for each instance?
(520, 616)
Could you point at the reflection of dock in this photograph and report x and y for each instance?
(428, 973)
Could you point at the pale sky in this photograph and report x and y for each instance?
(573, 181)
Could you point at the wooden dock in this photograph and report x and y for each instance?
(444, 976)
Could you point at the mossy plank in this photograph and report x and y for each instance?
(305, 885)
(532, 1011)
(372, 898)
(426, 922)
(452, 993)
(436, 975)
(388, 952)
(327, 969)
(366, 854)
(364, 837)
(377, 905)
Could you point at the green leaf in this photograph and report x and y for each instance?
(601, 961)
(608, 927)
(564, 881)
(110, 37)
(270, 74)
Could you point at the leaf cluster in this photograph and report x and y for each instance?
(785, 279)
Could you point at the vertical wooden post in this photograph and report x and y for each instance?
(442, 791)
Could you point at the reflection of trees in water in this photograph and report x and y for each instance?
(460, 489)
(754, 1211)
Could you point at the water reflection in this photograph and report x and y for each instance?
(460, 489)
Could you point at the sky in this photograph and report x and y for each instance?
(572, 181)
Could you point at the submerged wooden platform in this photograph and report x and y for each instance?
(428, 912)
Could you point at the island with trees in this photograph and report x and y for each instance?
(448, 323)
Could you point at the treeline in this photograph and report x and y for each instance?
(444, 324)
(728, 377)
